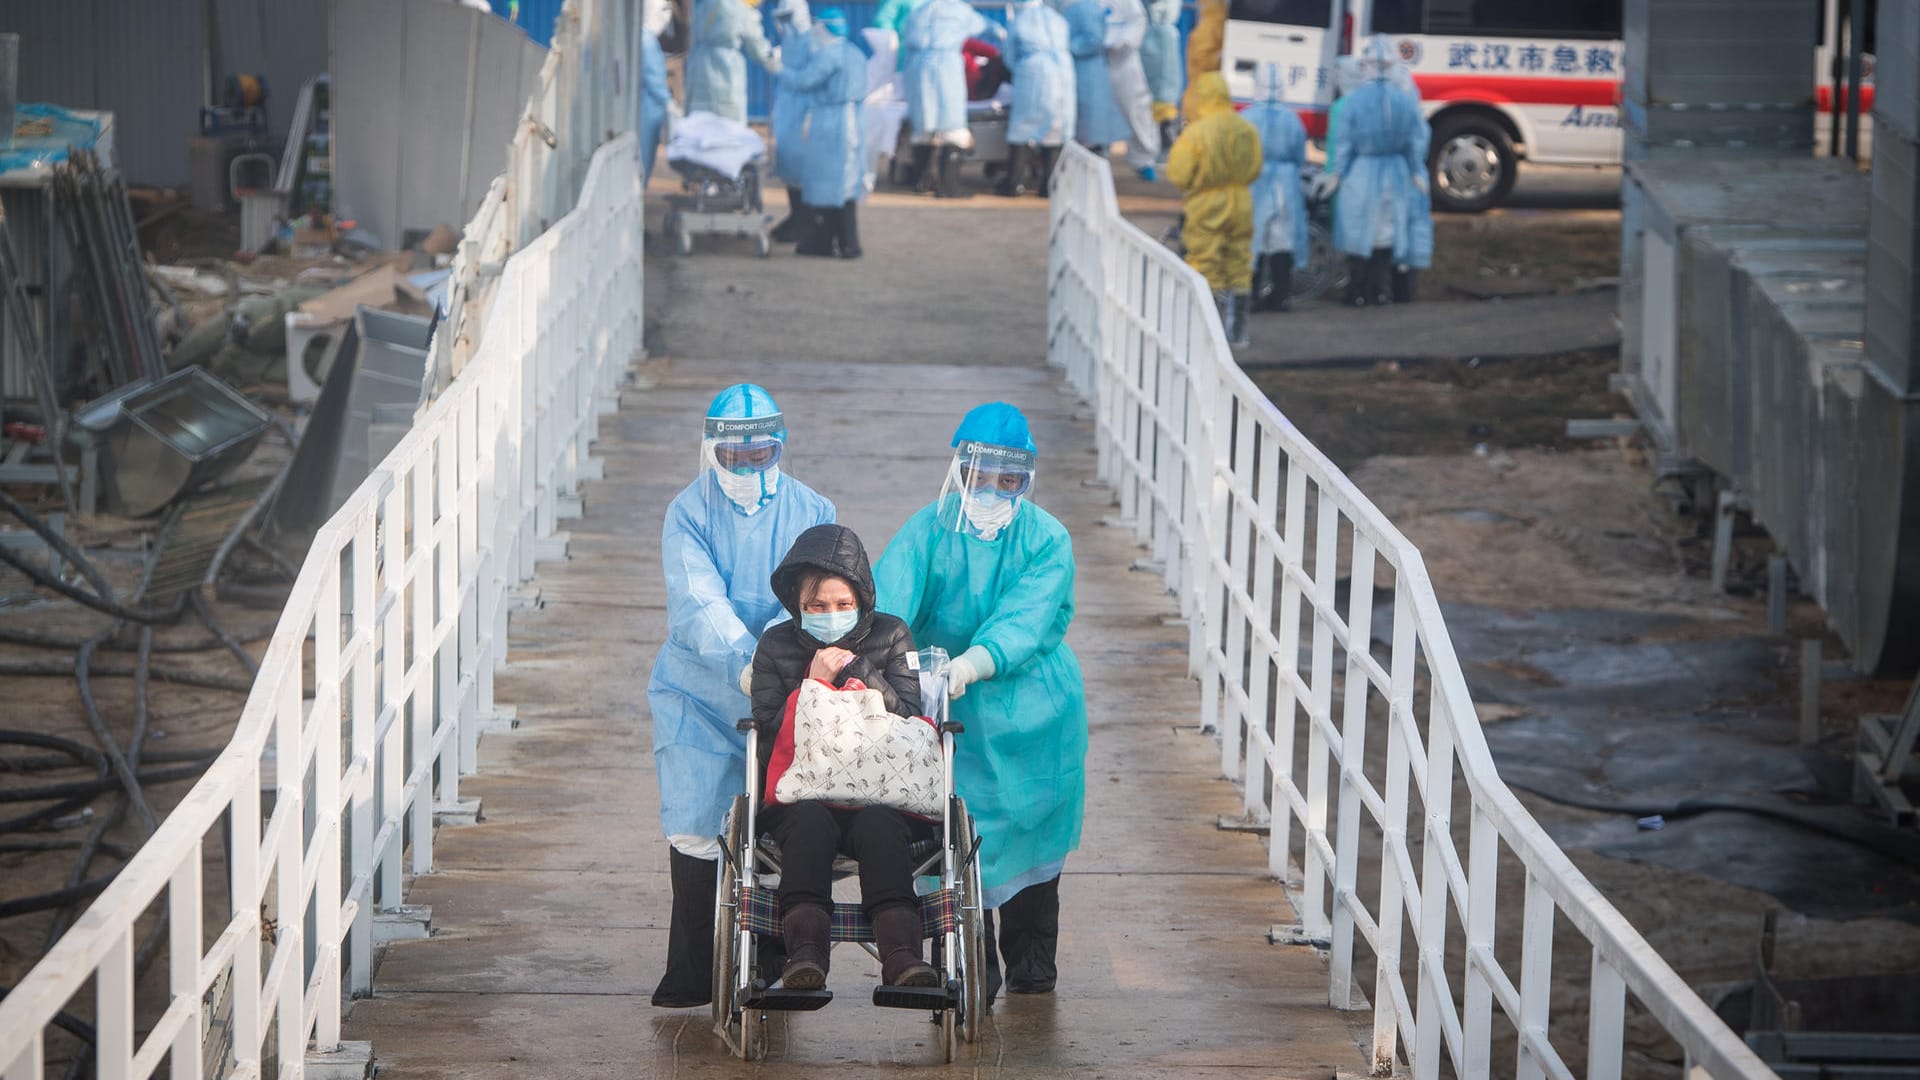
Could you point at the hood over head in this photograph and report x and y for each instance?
(1210, 96)
(834, 549)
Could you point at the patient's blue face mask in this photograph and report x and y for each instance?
(828, 627)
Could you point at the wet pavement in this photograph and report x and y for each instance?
(550, 915)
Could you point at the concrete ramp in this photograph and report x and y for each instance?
(550, 915)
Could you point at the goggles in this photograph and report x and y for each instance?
(757, 455)
(1003, 470)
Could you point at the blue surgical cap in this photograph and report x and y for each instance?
(834, 19)
(998, 424)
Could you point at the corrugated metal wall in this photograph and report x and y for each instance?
(144, 60)
(409, 151)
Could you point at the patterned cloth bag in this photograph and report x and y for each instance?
(843, 747)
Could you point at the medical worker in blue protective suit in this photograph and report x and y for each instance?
(833, 173)
(655, 98)
(1166, 67)
(794, 23)
(987, 575)
(1379, 168)
(1098, 122)
(1041, 119)
(723, 536)
(1279, 202)
(936, 80)
(725, 33)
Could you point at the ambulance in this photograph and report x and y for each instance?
(1501, 81)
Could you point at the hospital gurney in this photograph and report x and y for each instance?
(718, 162)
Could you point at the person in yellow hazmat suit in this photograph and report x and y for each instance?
(1204, 43)
(1215, 161)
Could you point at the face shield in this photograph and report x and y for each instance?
(744, 456)
(984, 487)
(1380, 58)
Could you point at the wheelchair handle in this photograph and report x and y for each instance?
(743, 726)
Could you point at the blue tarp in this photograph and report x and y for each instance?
(70, 129)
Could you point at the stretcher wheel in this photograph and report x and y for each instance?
(742, 1029)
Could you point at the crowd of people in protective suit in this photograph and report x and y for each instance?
(1246, 207)
(765, 591)
(1099, 72)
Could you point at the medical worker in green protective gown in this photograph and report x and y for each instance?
(987, 575)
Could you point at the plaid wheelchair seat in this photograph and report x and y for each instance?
(939, 914)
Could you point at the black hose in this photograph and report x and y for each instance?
(115, 756)
(198, 602)
(1847, 826)
(114, 850)
(179, 676)
(98, 786)
(37, 639)
(58, 898)
(131, 795)
(58, 543)
(80, 752)
(45, 813)
(104, 604)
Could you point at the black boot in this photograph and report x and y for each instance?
(1031, 925)
(795, 226)
(1275, 286)
(950, 173)
(688, 981)
(923, 169)
(1019, 165)
(848, 235)
(897, 936)
(823, 227)
(807, 930)
(1406, 283)
(1380, 276)
(1167, 135)
(1357, 294)
(1048, 156)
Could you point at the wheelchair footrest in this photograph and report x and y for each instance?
(780, 999)
(925, 998)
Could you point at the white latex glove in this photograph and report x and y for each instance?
(773, 61)
(968, 668)
(1325, 185)
(1420, 181)
(746, 679)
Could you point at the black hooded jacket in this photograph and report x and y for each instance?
(880, 642)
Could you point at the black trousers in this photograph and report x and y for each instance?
(810, 834)
(689, 977)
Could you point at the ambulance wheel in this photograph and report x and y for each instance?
(1472, 166)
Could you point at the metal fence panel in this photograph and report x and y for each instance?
(1257, 532)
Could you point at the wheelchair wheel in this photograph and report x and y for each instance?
(973, 954)
(742, 1029)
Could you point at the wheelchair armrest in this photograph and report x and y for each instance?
(743, 726)
(953, 726)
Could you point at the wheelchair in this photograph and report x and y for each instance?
(747, 908)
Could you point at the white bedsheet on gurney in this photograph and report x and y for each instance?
(714, 142)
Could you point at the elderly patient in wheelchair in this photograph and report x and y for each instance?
(837, 642)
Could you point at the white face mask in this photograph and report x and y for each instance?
(987, 512)
(749, 491)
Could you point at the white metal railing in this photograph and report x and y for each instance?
(369, 700)
(1257, 533)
